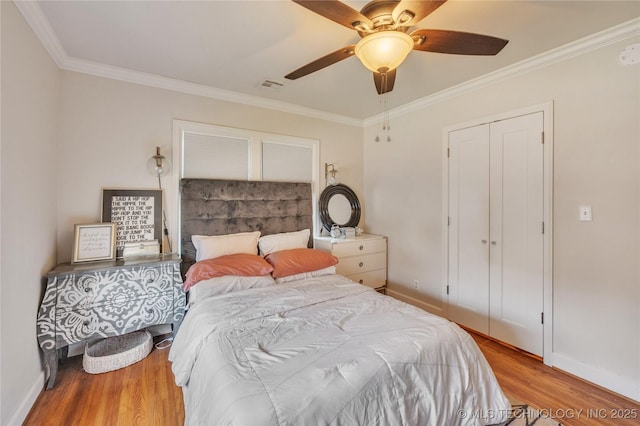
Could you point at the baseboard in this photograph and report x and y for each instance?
(30, 398)
(614, 383)
(415, 302)
(618, 384)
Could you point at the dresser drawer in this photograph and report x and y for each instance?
(373, 279)
(112, 287)
(356, 264)
(120, 317)
(364, 246)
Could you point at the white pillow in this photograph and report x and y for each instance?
(284, 241)
(329, 270)
(208, 247)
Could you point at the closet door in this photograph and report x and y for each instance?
(469, 227)
(496, 230)
(516, 226)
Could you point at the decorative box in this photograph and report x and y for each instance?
(141, 249)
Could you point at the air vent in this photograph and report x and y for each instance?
(271, 84)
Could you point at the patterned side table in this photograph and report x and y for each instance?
(103, 299)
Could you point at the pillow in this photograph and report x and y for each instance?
(226, 284)
(331, 270)
(299, 260)
(208, 247)
(242, 264)
(284, 241)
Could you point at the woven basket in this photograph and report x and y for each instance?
(116, 352)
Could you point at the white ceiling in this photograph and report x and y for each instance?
(236, 45)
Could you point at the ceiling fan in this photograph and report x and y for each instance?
(384, 26)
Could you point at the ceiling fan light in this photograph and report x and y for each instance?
(384, 51)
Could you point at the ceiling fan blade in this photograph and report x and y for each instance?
(419, 10)
(337, 12)
(323, 62)
(384, 81)
(457, 43)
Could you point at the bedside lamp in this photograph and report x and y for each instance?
(159, 166)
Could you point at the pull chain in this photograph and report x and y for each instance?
(384, 112)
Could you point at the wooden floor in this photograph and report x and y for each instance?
(140, 394)
(567, 399)
(145, 393)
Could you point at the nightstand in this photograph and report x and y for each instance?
(92, 300)
(362, 259)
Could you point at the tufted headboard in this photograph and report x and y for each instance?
(218, 207)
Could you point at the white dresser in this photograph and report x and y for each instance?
(363, 259)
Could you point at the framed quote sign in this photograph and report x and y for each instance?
(93, 242)
(137, 213)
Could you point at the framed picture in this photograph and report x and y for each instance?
(94, 241)
(137, 214)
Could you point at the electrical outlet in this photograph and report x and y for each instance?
(415, 284)
(585, 214)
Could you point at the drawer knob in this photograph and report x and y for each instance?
(361, 248)
(361, 281)
(361, 264)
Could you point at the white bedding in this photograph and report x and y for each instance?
(329, 351)
(226, 284)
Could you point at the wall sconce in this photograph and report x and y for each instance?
(330, 174)
(159, 165)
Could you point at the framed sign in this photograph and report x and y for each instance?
(137, 212)
(92, 242)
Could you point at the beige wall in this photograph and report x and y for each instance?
(596, 161)
(30, 100)
(109, 129)
(65, 136)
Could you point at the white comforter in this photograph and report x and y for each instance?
(328, 351)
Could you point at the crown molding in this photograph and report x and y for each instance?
(579, 47)
(41, 27)
(34, 16)
(157, 81)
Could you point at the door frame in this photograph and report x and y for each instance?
(547, 112)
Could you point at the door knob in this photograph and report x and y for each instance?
(493, 243)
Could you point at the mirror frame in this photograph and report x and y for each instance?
(325, 198)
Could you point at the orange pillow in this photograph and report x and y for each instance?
(241, 264)
(299, 260)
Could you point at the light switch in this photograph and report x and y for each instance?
(585, 213)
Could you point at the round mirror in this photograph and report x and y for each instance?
(339, 205)
(339, 209)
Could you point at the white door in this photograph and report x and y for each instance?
(469, 227)
(516, 229)
(495, 232)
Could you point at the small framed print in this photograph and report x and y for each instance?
(93, 242)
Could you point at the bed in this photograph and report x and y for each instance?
(276, 337)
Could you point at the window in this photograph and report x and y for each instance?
(214, 152)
